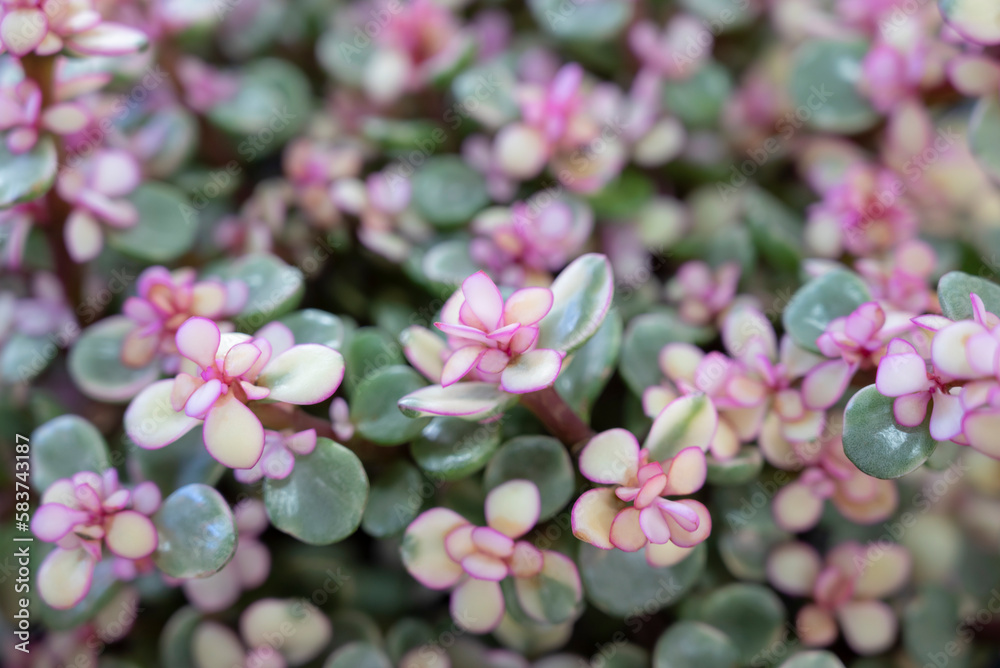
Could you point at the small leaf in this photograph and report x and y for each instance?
(984, 135)
(824, 81)
(447, 192)
(835, 294)
(167, 224)
(588, 371)
(751, 615)
(492, 85)
(275, 288)
(402, 134)
(582, 296)
(742, 468)
(368, 350)
(24, 358)
(931, 623)
(104, 586)
(358, 655)
(26, 176)
(396, 498)
(95, 363)
(176, 638)
(470, 401)
(595, 21)
(622, 583)
(554, 595)
(64, 446)
(688, 421)
(448, 262)
(197, 533)
(541, 459)
(623, 196)
(452, 448)
(776, 231)
(645, 337)
(976, 20)
(955, 288)
(699, 99)
(323, 499)
(876, 443)
(694, 645)
(185, 462)
(314, 326)
(374, 406)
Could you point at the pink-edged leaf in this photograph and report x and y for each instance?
(22, 29)
(146, 498)
(689, 421)
(593, 514)
(151, 421)
(233, 435)
(463, 332)
(494, 361)
(869, 627)
(304, 374)
(911, 409)
(477, 605)
(198, 340)
(686, 472)
(208, 299)
(484, 567)
(524, 339)
(825, 384)
(278, 334)
(949, 352)
(240, 358)
(425, 350)
(792, 568)
(531, 371)
(555, 569)
(656, 398)
(680, 361)
(65, 118)
(982, 429)
(654, 525)
(526, 561)
(946, 416)
(885, 572)
(83, 235)
(52, 521)
(901, 374)
(974, 75)
(471, 400)
(131, 535)
(65, 576)
(796, 508)
(458, 542)
(513, 508)
(460, 363)
(492, 542)
(689, 538)
(527, 306)
(484, 298)
(746, 332)
(626, 531)
(668, 554)
(423, 548)
(611, 458)
(203, 398)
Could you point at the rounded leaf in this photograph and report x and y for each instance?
(374, 406)
(751, 615)
(876, 443)
(582, 296)
(742, 468)
(690, 644)
(976, 20)
(167, 224)
(95, 363)
(29, 175)
(540, 459)
(273, 287)
(451, 448)
(314, 326)
(645, 337)
(395, 499)
(358, 654)
(197, 532)
(447, 192)
(819, 659)
(471, 401)
(323, 499)
(833, 295)
(824, 81)
(63, 446)
(955, 288)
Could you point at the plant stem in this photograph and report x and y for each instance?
(41, 69)
(285, 416)
(561, 421)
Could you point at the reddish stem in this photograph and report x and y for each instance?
(561, 420)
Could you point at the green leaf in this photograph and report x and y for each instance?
(469, 401)
(622, 583)
(835, 294)
(876, 443)
(452, 448)
(776, 231)
(596, 21)
(491, 85)
(582, 297)
(742, 468)
(167, 224)
(955, 288)
(751, 615)
(273, 101)
(185, 462)
(407, 634)
(374, 406)
(395, 499)
(588, 371)
(64, 446)
(623, 196)
(314, 326)
(824, 87)
(197, 533)
(645, 337)
(275, 288)
(358, 655)
(95, 363)
(686, 420)
(24, 358)
(816, 659)
(448, 262)
(323, 499)
(694, 645)
(103, 588)
(368, 350)
(984, 135)
(26, 176)
(175, 640)
(447, 192)
(541, 459)
(395, 134)
(930, 624)
(553, 596)
(698, 100)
